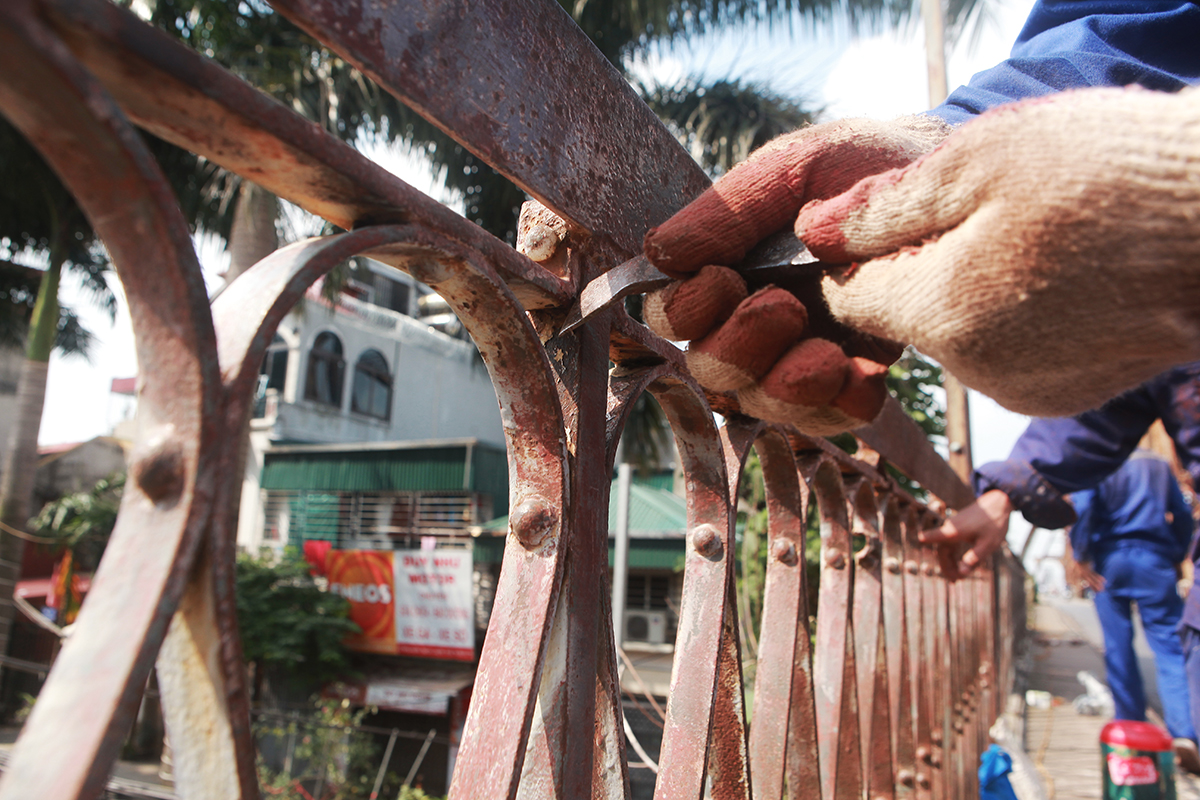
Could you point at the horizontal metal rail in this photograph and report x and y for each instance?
(890, 697)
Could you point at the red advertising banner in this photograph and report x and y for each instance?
(364, 577)
(408, 602)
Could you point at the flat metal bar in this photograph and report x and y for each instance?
(834, 671)
(896, 636)
(587, 559)
(729, 757)
(917, 665)
(931, 669)
(708, 569)
(783, 744)
(904, 445)
(870, 660)
(606, 165)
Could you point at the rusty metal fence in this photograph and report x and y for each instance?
(892, 694)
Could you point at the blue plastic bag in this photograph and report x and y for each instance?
(994, 766)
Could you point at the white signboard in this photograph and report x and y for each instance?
(434, 611)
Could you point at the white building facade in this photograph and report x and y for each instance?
(386, 363)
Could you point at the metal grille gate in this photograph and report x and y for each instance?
(891, 698)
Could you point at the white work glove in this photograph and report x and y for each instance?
(786, 359)
(1047, 253)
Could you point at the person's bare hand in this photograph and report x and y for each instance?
(981, 527)
(1082, 576)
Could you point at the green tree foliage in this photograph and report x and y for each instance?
(40, 220)
(722, 123)
(83, 522)
(291, 629)
(915, 381)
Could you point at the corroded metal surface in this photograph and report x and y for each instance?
(893, 696)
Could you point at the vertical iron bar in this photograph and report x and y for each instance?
(835, 675)
(869, 647)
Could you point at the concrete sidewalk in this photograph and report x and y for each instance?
(1064, 745)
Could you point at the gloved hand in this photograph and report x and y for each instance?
(1047, 254)
(786, 358)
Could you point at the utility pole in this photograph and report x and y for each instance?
(958, 415)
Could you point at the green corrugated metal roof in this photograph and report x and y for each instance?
(663, 480)
(382, 469)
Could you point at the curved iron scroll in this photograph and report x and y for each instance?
(894, 695)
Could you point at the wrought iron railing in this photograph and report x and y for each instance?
(893, 695)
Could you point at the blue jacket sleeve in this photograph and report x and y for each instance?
(1058, 456)
(1069, 44)
(1081, 531)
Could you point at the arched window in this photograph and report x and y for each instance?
(273, 372)
(372, 391)
(326, 369)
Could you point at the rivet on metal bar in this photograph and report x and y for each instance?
(784, 552)
(532, 521)
(707, 541)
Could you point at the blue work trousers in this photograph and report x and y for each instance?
(1191, 660)
(1134, 574)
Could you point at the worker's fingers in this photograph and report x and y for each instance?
(763, 194)
(947, 558)
(745, 347)
(948, 533)
(865, 391)
(755, 199)
(883, 213)
(690, 309)
(789, 392)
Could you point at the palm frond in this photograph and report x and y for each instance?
(722, 122)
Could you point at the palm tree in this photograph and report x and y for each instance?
(37, 215)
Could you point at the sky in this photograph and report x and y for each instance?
(880, 76)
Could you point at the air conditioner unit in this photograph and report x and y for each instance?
(646, 626)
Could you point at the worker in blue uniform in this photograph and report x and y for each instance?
(1134, 528)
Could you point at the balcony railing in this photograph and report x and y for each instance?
(891, 696)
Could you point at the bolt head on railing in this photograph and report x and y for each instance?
(706, 540)
(923, 780)
(892, 565)
(539, 243)
(905, 777)
(158, 468)
(927, 569)
(784, 552)
(532, 521)
(912, 567)
(924, 754)
(835, 559)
